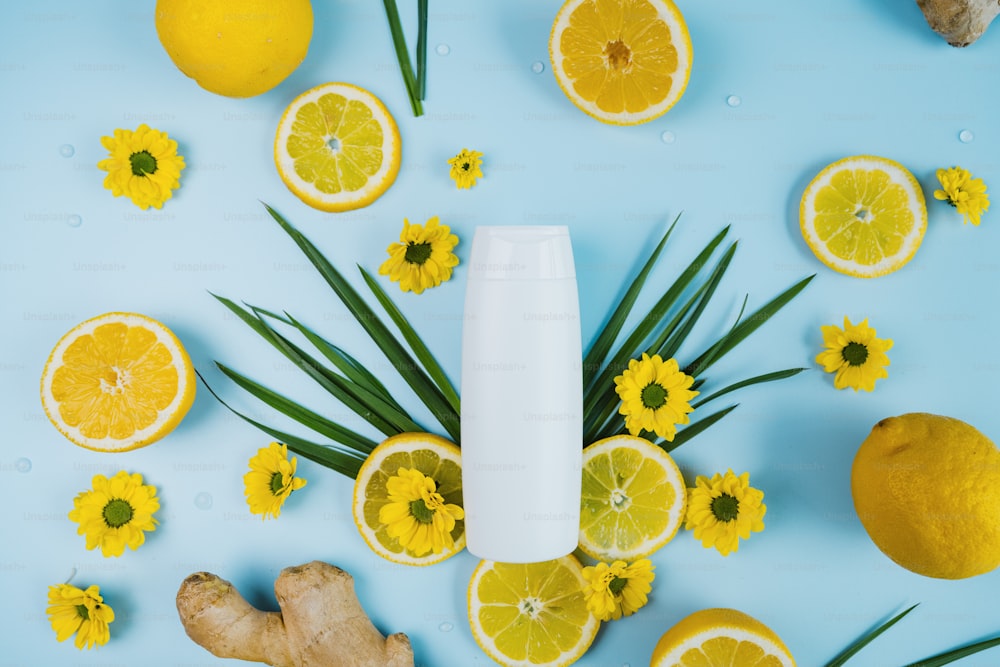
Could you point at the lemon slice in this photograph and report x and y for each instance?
(531, 613)
(633, 499)
(721, 638)
(436, 458)
(622, 63)
(337, 147)
(117, 382)
(864, 216)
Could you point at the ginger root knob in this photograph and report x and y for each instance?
(961, 22)
(321, 622)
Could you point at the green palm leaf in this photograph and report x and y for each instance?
(662, 330)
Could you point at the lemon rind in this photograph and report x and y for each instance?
(679, 35)
(901, 176)
(488, 645)
(651, 545)
(402, 442)
(178, 408)
(348, 200)
(696, 640)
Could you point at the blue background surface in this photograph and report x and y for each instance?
(816, 82)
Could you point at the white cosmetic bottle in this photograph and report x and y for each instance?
(522, 395)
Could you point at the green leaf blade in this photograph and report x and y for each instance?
(423, 354)
(866, 639)
(403, 56)
(602, 344)
(304, 416)
(956, 654)
(758, 379)
(405, 365)
(745, 328)
(345, 461)
(694, 428)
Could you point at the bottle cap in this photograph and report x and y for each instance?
(521, 252)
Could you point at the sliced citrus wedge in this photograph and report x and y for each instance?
(864, 216)
(117, 382)
(622, 63)
(633, 499)
(435, 458)
(721, 638)
(337, 147)
(531, 613)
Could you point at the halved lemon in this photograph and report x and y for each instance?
(337, 147)
(117, 382)
(433, 456)
(721, 638)
(624, 63)
(531, 613)
(633, 499)
(864, 216)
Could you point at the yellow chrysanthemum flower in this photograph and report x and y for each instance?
(655, 396)
(271, 480)
(465, 168)
(423, 258)
(966, 194)
(854, 353)
(724, 509)
(416, 514)
(618, 589)
(143, 165)
(115, 514)
(73, 611)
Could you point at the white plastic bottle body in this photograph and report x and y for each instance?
(522, 404)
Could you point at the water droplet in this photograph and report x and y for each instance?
(966, 136)
(734, 100)
(446, 627)
(203, 501)
(442, 49)
(67, 150)
(74, 220)
(668, 137)
(538, 67)
(22, 465)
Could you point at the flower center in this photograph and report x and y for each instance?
(854, 354)
(654, 396)
(466, 166)
(617, 585)
(277, 483)
(619, 56)
(421, 512)
(417, 253)
(82, 611)
(142, 163)
(117, 513)
(726, 508)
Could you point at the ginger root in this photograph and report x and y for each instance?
(321, 623)
(961, 22)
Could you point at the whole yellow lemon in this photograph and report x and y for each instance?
(236, 48)
(927, 490)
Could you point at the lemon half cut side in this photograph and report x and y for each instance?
(633, 499)
(117, 382)
(720, 638)
(432, 455)
(337, 147)
(864, 216)
(621, 63)
(524, 614)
